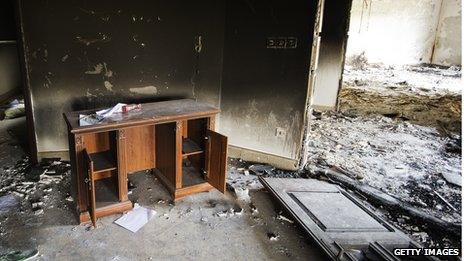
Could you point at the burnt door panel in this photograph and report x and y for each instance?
(339, 223)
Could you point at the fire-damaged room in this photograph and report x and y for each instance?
(230, 130)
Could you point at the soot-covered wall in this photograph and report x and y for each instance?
(83, 54)
(265, 77)
(10, 80)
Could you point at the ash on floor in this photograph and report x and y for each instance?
(408, 161)
(37, 214)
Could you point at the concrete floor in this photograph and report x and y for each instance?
(188, 230)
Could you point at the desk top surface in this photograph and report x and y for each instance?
(151, 113)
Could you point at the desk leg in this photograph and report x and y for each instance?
(122, 170)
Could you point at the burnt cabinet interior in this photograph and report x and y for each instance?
(180, 147)
(183, 161)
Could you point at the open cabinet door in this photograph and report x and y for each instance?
(91, 188)
(216, 160)
(92, 208)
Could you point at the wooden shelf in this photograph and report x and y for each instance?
(103, 161)
(189, 147)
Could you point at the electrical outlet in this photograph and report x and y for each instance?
(280, 132)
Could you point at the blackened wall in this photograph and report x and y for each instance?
(7, 20)
(82, 54)
(264, 90)
(10, 77)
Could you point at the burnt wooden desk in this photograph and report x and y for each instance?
(160, 137)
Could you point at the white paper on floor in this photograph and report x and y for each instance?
(136, 218)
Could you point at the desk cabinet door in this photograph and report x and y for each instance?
(216, 152)
(90, 180)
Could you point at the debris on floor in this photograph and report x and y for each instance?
(243, 176)
(423, 94)
(20, 255)
(394, 205)
(453, 178)
(8, 202)
(136, 218)
(14, 109)
(399, 158)
(260, 169)
(272, 236)
(283, 218)
(394, 156)
(234, 211)
(31, 183)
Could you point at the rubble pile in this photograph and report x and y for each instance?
(425, 95)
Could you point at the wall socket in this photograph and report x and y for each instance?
(280, 132)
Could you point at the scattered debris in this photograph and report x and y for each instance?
(453, 178)
(38, 212)
(222, 213)
(14, 109)
(380, 198)
(20, 255)
(445, 201)
(259, 169)
(234, 211)
(25, 180)
(8, 202)
(37, 205)
(242, 194)
(211, 203)
(284, 218)
(253, 209)
(394, 156)
(358, 62)
(272, 236)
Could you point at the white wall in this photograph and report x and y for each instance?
(449, 34)
(402, 31)
(394, 32)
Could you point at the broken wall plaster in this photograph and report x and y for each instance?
(147, 90)
(448, 41)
